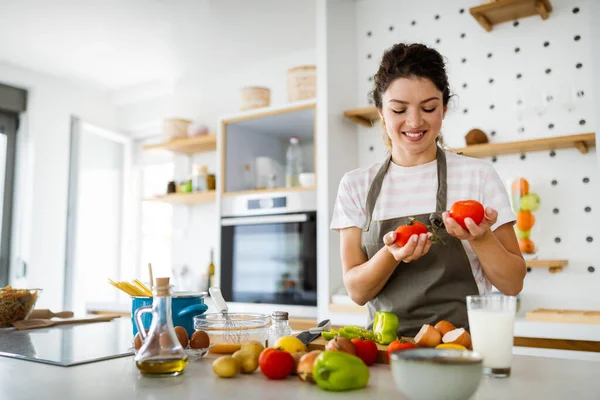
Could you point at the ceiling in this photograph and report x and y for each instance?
(117, 44)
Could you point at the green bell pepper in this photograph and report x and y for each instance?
(337, 371)
(348, 334)
(385, 327)
(357, 331)
(329, 335)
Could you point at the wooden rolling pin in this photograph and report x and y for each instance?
(47, 314)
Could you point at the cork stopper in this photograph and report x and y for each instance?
(162, 286)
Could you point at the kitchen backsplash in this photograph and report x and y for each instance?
(524, 80)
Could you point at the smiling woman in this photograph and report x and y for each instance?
(420, 281)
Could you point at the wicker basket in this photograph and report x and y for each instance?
(255, 97)
(302, 83)
(176, 128)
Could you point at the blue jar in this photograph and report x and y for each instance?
(184, 306)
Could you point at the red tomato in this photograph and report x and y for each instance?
(397, 345)
(366, 350)
(276, 364)
(467, 209)
(404, 232)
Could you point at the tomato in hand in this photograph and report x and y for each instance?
(404, 232)
(467, 209)
(397, 345)
(276, 364)
(366, 350)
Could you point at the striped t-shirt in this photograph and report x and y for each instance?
(410, 191)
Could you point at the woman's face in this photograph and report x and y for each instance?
(413, 110)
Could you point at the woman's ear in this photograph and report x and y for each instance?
(444, 113)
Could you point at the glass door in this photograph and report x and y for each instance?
(8, 130)
(97, 221)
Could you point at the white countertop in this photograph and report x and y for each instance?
(532, 378)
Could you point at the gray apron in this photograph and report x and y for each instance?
(429, 289)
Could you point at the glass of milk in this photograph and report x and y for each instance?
(491, 322)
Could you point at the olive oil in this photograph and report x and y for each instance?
(168, 366)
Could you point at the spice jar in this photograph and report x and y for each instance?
(199, 180)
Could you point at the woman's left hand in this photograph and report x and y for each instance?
(473, 231)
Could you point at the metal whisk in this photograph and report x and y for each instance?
(233, 331)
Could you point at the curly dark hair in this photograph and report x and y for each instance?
(407, 61)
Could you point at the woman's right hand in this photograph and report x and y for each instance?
(416, 247)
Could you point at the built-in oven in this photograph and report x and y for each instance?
(269, 249)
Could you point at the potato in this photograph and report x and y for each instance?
(225, 367)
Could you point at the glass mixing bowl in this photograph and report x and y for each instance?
(228, 331)
(16, 304)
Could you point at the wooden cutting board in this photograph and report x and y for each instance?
(564, 316)
(320, 343)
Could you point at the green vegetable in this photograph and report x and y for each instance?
(385, 327)
(329, 335)
(336, 370)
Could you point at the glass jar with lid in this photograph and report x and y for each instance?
(280, 326)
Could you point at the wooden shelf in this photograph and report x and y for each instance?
(187, 198)
(276, 190)
(188, 146)
(553, 266)
(365, 116)
(263, 112)
(500, 11)
(582, 142)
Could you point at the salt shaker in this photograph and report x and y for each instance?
(280, 326)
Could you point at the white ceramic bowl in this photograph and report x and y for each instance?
(306, 179)
(436, 374)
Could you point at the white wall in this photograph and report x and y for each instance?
(41, 201)
(575, 286)
(336, 136)
(195, 229)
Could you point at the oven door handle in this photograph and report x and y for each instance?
(264, 219)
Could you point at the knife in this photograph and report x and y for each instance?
(308, 336)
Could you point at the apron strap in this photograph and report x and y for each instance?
(442, 191)
(374, 191)
(441, 196)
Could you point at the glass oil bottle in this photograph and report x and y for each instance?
(161, 353)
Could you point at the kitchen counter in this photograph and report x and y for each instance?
(533, 377)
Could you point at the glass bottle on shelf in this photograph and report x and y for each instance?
(280, 326)
(211, 270)
(161, 353)
(293, 166)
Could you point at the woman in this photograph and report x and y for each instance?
(422, 282)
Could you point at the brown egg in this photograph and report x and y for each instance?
(182, 336)
(199, 340)
(137, 341)
(164, 340)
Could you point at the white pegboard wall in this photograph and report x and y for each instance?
(524, 80)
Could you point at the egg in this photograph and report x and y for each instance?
(137, 342)
(182, 336)
(199, 340)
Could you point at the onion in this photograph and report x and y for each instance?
(305, 365)
(343, 344)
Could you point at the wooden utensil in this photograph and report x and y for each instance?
(320, 343)
(46, 323)
(47, 314)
